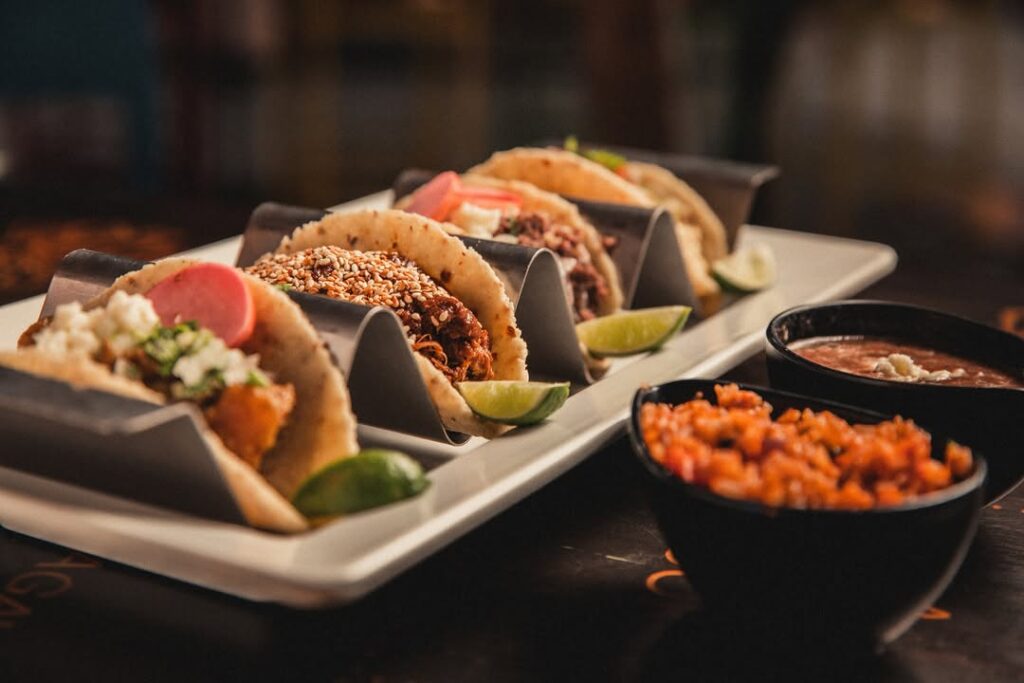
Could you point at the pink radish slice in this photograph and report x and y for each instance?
(211, 294)
(437, 198)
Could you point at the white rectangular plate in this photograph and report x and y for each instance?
(346, 559)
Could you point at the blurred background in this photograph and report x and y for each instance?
(143, 128)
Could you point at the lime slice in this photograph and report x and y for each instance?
(514, 403)
(746, 270)
(373, 477)
(629, 332)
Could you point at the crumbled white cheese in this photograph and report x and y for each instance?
(476, 220)
(122, 323)
(213, 356)
(126, 321)
(902, 368)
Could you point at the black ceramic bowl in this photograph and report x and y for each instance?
(988, 419)
(839, 580)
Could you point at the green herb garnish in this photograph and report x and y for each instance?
(163, 347)
(610, 160)
(211, 383)
(512, 226)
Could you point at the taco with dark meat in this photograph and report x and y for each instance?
(456, 314)
(700, 234)
(274, 407)
(520, 213)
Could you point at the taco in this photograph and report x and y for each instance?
(520, 213)
(458, 319)
(275, 409)
(567, 173)
(682, 201)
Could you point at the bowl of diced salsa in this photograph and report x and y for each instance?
(936, 368)
(803, 521)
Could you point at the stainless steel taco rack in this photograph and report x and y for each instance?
(122, 446)
(728, 187)
(646, 252)
(532, 279)
(346, 559)
(368, 345)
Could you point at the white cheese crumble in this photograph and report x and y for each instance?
(126, 320)
(902, 368)
(476, 220)
(212, 356)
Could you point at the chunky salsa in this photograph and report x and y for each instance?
(802, 459)
(889, 359)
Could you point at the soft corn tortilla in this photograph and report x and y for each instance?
(459, 269)
(558, 210)
(320, 429)
(684, 203)
(569, 174)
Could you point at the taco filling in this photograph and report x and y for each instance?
(181, 362)
(439, 326)
(498, 214)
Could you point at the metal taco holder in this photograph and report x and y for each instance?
(728, 187)
(367, 344)
(161, 457)
(529, 276)
(156, 454)
(646, 257)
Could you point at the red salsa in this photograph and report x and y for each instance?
(890, 359)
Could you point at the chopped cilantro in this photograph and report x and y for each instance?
(163, 348)
(212, 382)
(284, 287)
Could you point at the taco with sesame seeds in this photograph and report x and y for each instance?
(458, 319)
(700, 234)
(520, 213)
(274, 408)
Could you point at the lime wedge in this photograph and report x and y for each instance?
(514, 403)
(372, 478)
(629, 332)
(746, 270)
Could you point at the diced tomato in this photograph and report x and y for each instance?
(211, 294)
(437, 198)
(490, 198)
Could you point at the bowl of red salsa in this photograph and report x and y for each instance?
(803, 522)
(930, 366)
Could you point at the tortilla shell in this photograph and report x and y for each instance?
(320, 429)
(536, 200)
(562, 172)
(567, 173)
(684, 203)
(459, 269)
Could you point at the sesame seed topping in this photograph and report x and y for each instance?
(454, 341)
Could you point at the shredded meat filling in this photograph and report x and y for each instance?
(586, 285)
(441, 328)
(447, 334)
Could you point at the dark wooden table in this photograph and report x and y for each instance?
(573, 583)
